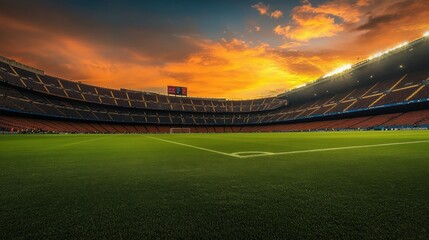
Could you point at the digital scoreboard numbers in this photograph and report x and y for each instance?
(177, 91)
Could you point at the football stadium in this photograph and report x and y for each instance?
(342, 156)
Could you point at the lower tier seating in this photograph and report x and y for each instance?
(404, 119)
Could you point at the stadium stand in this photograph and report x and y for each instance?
(374, 95)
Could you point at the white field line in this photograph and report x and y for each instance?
(78, 142)
(335, 149)
(262, 154)
(249, 153)
(192, 146)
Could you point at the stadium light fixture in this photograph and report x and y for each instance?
(379, 54)
(300, 86)
(338, 70)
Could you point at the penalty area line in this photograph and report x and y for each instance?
(196, 147)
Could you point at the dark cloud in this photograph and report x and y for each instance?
(115, 28)
(390, 23)
(375, 22)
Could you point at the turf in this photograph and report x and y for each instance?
(135, 186)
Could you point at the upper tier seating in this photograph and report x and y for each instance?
(127, 98)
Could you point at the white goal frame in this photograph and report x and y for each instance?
(180, 130)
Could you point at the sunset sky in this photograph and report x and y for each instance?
(236, 49)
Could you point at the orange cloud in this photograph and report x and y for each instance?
(232, 68)
(309, 22)
(345, 10)
(227, 68)
(219, 69)
(363, 2)
(276, 14)
(309, 27)
(264, 10)
(291, 45)
(261, 8)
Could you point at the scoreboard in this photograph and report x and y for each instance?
(178, 91)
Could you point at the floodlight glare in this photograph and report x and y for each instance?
(300, 86)
(379, 54)
(338, 70)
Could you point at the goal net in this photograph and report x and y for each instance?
(180, 130)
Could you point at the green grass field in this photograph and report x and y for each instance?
(335, 185)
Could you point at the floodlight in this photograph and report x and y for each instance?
(338, 70)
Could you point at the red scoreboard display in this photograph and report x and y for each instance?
(178, 91)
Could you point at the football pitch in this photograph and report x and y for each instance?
(320, 185)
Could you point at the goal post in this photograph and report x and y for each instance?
(180, 130)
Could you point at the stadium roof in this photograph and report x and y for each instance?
(403, 56)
